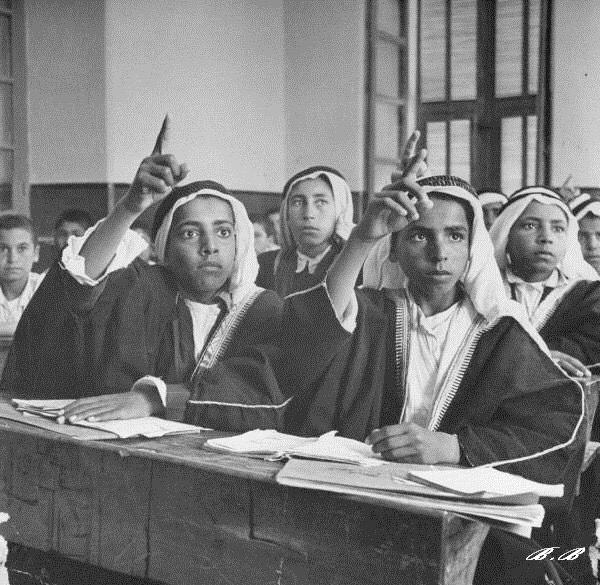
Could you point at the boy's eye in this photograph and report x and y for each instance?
(457, 237)
(560, 229)
(418, 237)
(528, 225)
(225, 232)
(321, 202)
(296, 202)
(189, 234)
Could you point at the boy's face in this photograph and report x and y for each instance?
(433, 251)
(201, 247)
(64, 231)
(311, 215)
(537, 241)
(17, 255)
(261, 240)
(589, 239)
(490, 213)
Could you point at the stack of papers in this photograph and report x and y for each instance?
(274, 445)
(393, 484)
(42, 413)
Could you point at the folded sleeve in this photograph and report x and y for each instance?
(129, 248)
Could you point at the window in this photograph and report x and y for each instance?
(483, 89)
(7, 149)
(386, 89)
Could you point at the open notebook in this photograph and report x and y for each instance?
(274, 445)
(42, 413)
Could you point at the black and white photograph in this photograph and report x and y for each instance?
(299, 292)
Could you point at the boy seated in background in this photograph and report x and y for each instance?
(72, 222)
(18, 251)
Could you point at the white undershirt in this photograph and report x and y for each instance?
(529, 294)
(204, 318)
(434, 341)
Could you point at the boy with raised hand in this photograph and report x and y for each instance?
(168, 322)
(430, 362)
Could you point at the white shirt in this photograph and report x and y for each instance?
(204, 318)
(11, 311)
(529, 294)
(303, 261)
(434, 341)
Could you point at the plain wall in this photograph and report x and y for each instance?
(325, 86)
(576, 92)
(217, 68)
(65, 90)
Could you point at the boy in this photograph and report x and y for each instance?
(18, 251)
(72, 222)
(587, 212)
(316, 218)
(263, 234)
(171, 320)
(491, 202)
(537, 250)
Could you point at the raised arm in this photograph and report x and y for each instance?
(389, 211)
(155, 177)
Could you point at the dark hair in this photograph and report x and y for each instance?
(83, 218)
(12, 221)
(311, 171)
(178, 193)
(264, 221)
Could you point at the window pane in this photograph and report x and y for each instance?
(534, 45)
(5, 46)
(511, 150)
(460, 149)
(6, 121)
(387, 130)
(382, 175)
(531, 149)
(433, 50)
(436, 147)
(463, 59)
(387, 69)
(509, 47)
(388, 16)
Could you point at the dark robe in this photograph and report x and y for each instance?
(574, 326)
(285, 280)
(75, 341)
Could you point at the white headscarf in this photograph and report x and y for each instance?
(482, 280)
(342, 200)
(489, 197)
(573, 265)
(245, 268)
(583, 205)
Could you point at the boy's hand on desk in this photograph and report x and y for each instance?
(112, 406)
(570, 364)
(408, 442)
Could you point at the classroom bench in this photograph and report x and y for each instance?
(169, 510)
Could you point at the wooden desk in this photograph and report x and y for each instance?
(168, 510)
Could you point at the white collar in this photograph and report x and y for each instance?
(303, 261)
(555, 280)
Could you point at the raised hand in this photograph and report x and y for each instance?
(408, 156)
(396, 205)
(156, 175)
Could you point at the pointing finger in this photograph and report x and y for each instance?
(163, 136)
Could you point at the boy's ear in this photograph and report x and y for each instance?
(36, 253)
